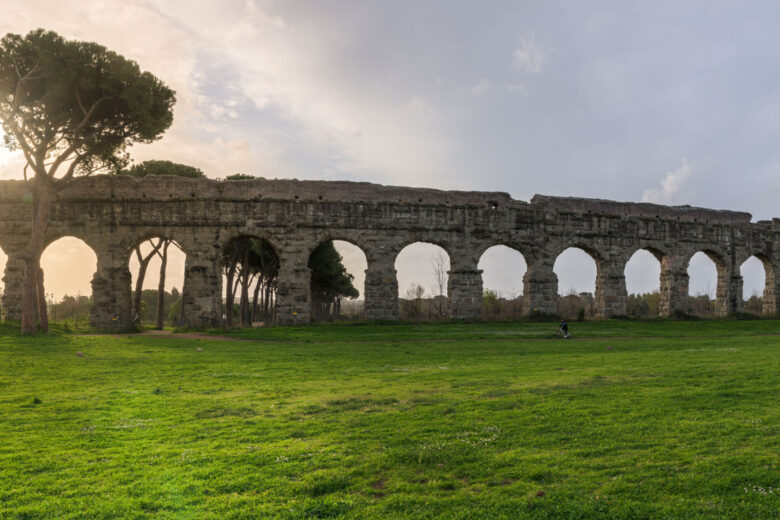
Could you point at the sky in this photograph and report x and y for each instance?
(665, 102)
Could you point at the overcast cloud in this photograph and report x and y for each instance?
(658, 101)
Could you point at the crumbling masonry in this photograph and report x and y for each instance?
(113, 214)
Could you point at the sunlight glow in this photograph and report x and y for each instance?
(5, 154)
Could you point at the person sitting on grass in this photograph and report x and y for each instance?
(563, 329)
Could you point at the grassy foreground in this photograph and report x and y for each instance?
(628, 420)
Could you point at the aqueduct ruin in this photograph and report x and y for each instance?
(112, 214)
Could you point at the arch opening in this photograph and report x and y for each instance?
(576, 270)
(68, 266)
(643, 284)
(754, 273)
(702, 283)
(157, 278)
(503, 269)
(250, 276)
(335, 286)
(422, 270)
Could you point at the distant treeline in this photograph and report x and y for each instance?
(417, 307)
(148, 310)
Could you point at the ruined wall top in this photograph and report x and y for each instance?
(162, 188)
(640, 210)
(165, 187)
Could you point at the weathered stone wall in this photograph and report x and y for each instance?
(113, 214)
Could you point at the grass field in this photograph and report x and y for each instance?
(627, 420)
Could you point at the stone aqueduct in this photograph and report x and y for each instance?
(113, 214)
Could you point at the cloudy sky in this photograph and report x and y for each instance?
(667, 102)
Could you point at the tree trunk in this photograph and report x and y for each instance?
(43, 192)
(161, 286)
(43, 311)
(255, 296)
(267, 302)
(243, 305)
(231, 271)
(143, 264)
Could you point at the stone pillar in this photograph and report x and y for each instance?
(201, 298)
(464, 289)
(381, 291)
(111, 302)
(540, 291)
(610, 298)
(728, 297)
(771, 297)
(674, 288)
(293, 294)
(13, 286)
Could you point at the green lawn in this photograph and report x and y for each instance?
(627, 420)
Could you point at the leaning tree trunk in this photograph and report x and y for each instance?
(143, 264)
(230, 272)
(33, 293)
(229, 296)
(161, 286)
(43, 310)
(267, 312)
(243, 304)
(255, 296)
(139, 285)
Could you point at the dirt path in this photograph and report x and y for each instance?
(214, 337)
(169, 334)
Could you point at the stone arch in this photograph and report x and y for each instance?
(576, 252)
(69, 264)
(507, 285)
(766, 291)
(355, 261)
(251, 273)
(571, 266)
(351, 236)
(429, 240)
(702, 282)
(728, 285)
(223, 239)
(423, 257)
(156, 262)
(643, 273)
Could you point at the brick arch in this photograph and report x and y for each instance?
(718, 257)
(482, 248)
(660, 252)
(90, 240)
(342, 236)
(225, 238)
(728, 291)
(406, 242)
(129, 241)
(593, 251)
(771, 294)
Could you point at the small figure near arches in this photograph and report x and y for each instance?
(563, 329)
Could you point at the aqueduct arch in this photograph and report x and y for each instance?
(110, 213)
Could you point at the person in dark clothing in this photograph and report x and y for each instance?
(563, 328)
